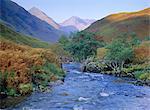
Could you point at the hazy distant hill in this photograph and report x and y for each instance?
(127, 22)
(77, 22)
(68, 29)
(26, 23)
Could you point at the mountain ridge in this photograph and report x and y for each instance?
(75, 23)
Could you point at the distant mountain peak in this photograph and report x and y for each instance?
(41, 15)
(77, 22)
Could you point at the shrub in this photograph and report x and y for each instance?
(142, 53)
(143, 75)
(55, 70)
(42, 75)
(25, 88)
(137, 67)
(101, 53)
(11, 92)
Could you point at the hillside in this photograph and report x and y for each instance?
(9, 34)
(41, 15)
(127, 22)
(24, 22)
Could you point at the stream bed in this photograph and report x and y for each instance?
(89, 91)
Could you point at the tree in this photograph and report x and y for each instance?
(118, 52)
(83, 45)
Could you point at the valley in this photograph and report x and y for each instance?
(78, 64)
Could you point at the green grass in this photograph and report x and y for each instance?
(9, 34)
(143, 75)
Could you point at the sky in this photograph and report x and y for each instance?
(61, 10)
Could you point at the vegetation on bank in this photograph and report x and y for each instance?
(126, 55)
(23, 68)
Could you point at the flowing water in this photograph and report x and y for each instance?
(89, 91)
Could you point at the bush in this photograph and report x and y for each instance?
(137, 67)
(143, 75)
(42, 75)
(101, 53)
(11, 92)
(142, 53)
(25, 88)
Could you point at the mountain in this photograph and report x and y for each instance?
(127, 22)
(41, 15)
(22, 21)
(9, 34)
(77, 22)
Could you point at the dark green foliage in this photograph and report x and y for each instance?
(83, 45)
(11, 92)
(3, 83)
(119, 51)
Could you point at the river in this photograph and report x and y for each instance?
(89, 91)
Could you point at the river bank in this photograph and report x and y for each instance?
(10, 102)
(140, 73)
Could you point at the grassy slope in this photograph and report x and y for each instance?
(9, 34)
(116, 24)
